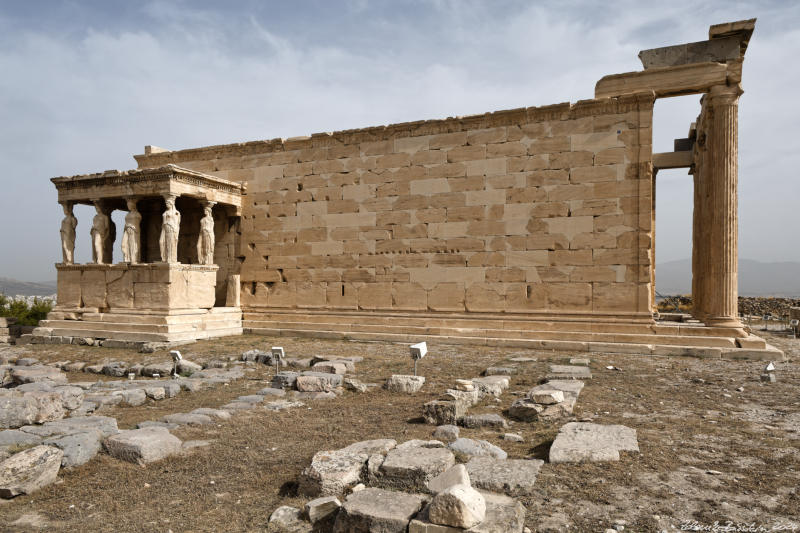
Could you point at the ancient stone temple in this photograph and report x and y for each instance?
(178, 277)
(531, 227)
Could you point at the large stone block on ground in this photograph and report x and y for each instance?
(162, 369)
(105, 425)
(322, 508)
(331, 472)
(412, 467)
(490, 420)
(455, 475)
(491, 385)
(477, 448)
(14, 437)
(29, 470)
(446, 432)
(333, 367)
(381, 446)
(458, 506)
(441, 412)
(525, 410)
(78, 448)
(318, 382)
(582, 441)
(403, 383)
(503, 515)
(514, 477)
(284, 380)
(377, 510)
(569, 372)
(142, 446)
(37, 374)
(71, 396)
(288, 520)
(18, 409)
(188, 419)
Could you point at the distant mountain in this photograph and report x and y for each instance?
(13, 287)
(755, 278)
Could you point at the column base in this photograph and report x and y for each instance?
(724, 322)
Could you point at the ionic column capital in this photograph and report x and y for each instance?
(725, 95)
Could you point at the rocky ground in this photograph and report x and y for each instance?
(757, 306)
(716, 443)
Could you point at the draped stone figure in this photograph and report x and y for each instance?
(101, 229)
(170, 227)
(205, 242)
(68, 225)
(131, 234)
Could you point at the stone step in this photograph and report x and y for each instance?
(678, 340)
(599, 324)
(533, 344)
(216, 313)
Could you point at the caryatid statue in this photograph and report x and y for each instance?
(68, 225)
(170, 227)
(131, 234)
(205, 243)
(101, 229)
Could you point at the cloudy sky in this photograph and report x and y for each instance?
(86, 84)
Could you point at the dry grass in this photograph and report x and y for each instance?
(685, 429)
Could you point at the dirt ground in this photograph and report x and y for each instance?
(709, 453)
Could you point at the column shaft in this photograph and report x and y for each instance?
(722, 282)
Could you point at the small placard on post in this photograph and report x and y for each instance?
(277, 356)
(418, 351)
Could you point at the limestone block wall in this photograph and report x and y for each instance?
(135, 287)
(534, 210)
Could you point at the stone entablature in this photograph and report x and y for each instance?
(155, 286)
(168, 180)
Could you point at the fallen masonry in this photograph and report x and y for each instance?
(407, 384)
(569, 372)
(142, 446)
(29, 470)
(582, 441)
(399, 476)
(515, 477)
(540, 403)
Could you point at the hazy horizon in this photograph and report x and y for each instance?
(87, 85)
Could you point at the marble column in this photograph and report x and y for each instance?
(697, 277)
(721, 217)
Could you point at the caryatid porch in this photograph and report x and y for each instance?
(178, 278)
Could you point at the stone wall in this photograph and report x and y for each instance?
(539, 211)
(156, 286)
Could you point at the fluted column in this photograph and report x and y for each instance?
(697, 278)
(722, 208)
